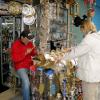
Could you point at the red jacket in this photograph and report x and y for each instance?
(18, 56)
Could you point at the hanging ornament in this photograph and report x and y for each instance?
(91, 12)
(74, 9)
(91, 2)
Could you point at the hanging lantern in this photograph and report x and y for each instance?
(74, 9)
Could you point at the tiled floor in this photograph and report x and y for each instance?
(10, 95)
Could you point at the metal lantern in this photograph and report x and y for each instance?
(52, 86)
(39, 84)
(41, 80)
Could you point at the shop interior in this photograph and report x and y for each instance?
(51, 23)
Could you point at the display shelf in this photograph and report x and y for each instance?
(58, 25)
(8, 27)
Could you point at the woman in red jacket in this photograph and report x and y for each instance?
(22, 51)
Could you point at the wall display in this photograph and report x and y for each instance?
(10, 28)
(51, 24)
(58, 24)
(59, 78)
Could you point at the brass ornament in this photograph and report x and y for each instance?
(14, 8)
(40, 60)
(41, 88)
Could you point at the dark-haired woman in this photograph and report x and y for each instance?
(88, 54)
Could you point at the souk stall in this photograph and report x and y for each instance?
(50, 23)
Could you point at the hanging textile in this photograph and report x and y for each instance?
(89, 1)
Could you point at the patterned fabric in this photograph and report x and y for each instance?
(89, 1)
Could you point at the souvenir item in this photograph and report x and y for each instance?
(14, 8)
(64, 89)
(59, 96)
(41, 88)
(29, 20)
(41, 76)
(52, 86)
(28, 10)
(29, 16)
(40, 59)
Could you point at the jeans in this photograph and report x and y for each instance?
(23, 74)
